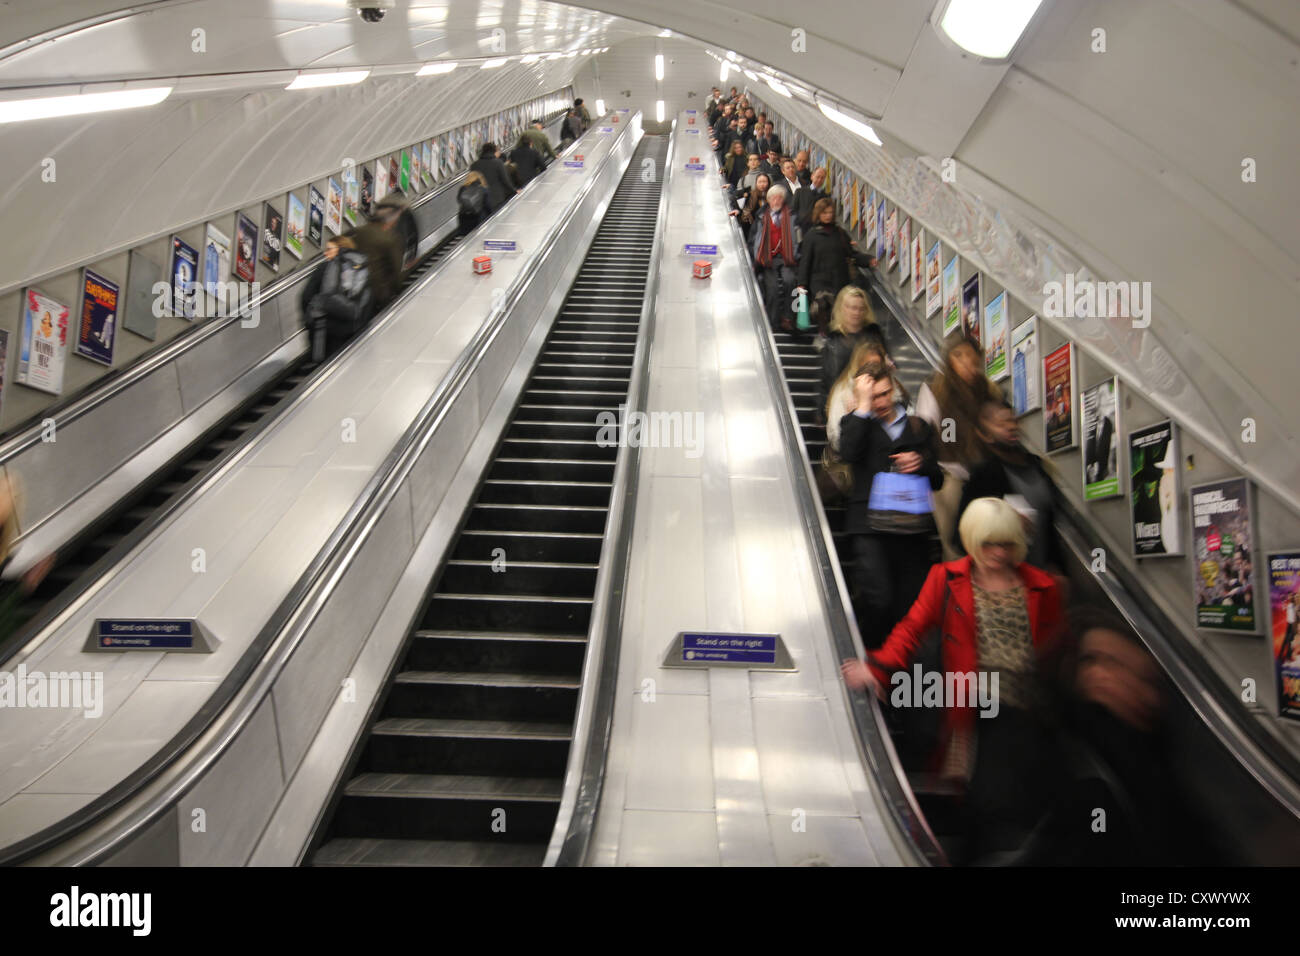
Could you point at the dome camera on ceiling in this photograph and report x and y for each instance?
(372, 11)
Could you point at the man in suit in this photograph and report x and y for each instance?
(769, 135)
(806, 198)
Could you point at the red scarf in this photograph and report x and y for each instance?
(784, 243)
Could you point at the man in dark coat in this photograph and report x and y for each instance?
(528, 163)
(494, 174)
(379, 242)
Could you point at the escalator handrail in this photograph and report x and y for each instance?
(875, 746)
(584, 772)
(69, 408)
(1259, 752)
(90, 835)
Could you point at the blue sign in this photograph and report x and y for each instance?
(699, 249)
(605, 129)
(500, 245)
(573, 163)
(729, 648)
(698, 167)
(132, 635)
(693, 130)
(691, 112)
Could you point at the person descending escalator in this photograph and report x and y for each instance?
(380, 241)
(472, 203)
(495, 177)
(14, 591)
(338, 300)
(527, 162)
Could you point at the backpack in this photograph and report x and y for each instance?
(343, 302)
(472, 199)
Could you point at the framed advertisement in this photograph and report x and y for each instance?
(1100, 427)
(245, 248)
(351, 196)
(1223, 540)
(951, 297)
(918, 265)
(870, 223)
(905, 251)
(891, 240)
(295, 226)
(141, 308)
(216, 259)
(933, 298)
(381, 179)
(880, 229)
(970, 312)
(426, 162)
(185, 279)
(1284, 613)
(4, 362)
(996, 334)
(272, 230)
(43, 348)
(1026, 393)
(316, 216)
(1059, 399)
(333, 206)
(416, 182)
(367, 191)
(405, 171)
(1154, 492)
(99, 305)
(394, 173)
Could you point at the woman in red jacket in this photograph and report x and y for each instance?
(997, 616)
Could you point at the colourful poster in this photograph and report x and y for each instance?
(880, 229)
(367, 191)
(1058, 399)
(272, 241)
(870, 239)
(970, 311)
(891, 240)
(44, 343)
(416, 181)
(351, 195)
(905, 251)
(406, 171)
(1223, 540)
(952, 297)
(245, 248)
(918, 265)
(1284, 605)
(1153, 491)
(1026, 394)
(426, 162)
(1100, 428)
(316, 216)
(185, 279)
(4, 359)
(98, 318)
(295, 226)
(333, 206)
(853, 207)
(394, 174)
(381, 179)
(933, 298)
(216, 260)
(996, 333)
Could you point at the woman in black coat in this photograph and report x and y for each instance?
(825, 253)
(527, 163)
(852, 323)
(493, 170)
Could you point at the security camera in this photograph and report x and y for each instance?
(372, 11)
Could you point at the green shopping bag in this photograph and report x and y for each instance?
(801, 319)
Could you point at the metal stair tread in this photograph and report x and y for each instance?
(483, 729)
(351, 851)
(488, 678)
(453, 786)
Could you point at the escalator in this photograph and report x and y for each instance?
(463, 759)
(82, 554)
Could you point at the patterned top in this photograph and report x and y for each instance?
(1005, 644)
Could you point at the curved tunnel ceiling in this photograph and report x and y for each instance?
(1126, 161)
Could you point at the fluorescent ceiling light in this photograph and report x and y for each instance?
(722, 76)
(659, 66)
(47, 107)
(600, 107)
(665, 33)
(659, 111)
(731, 56)
(987, 29)
(432, 69)
(530, 58)
(313, 81)
(777, 86)
(751, 74)
(849, 123)
(493, 64)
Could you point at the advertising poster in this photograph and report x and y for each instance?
(394, 174)
(4, 360)
(296, 226)
(970, 311)
(381, 179)
(367, 191)
(1058, 399)
(891, 240)
(996, 333)
(140, 308)
(185, 278)
(333, 206)
(406, 171)
(869, 221)
(426, 162)
(98, 318)
(1100, 428)
(905, 251)
(1223, 541)
(44, 345)
(880, 229)
(351, 196)
(932, 283)
(272, 233)
(1153, 491)
(416, 182)
(245, 248)
(1284, 604)
(853, 206)
(1025, 392)
(216, 259)
(316, 216)
(918, 266)
(952, 297)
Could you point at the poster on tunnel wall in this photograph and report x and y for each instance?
(44, 342)
(1284, 621)
(1154, 492)
(272, 228)
(245, 248)
(416, 181)
(426, 162)
(1099, 427)
(891, 240)
(394, 173)
(367, 191)
(1025, 393)
(295, 226)
(880, 229)
(216, 259)
(1059, 399)
(1223, 540)
(99, 306)
(404, 171)
(918, 264)
(905, 250)
(381, 179)
(351, 195)
(316, 220)
(333, 206)
(869, 239)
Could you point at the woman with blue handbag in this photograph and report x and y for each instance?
(890, 514)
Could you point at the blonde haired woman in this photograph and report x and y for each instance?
(852, 324)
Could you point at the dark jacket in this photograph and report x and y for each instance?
(804, 200)
(989, 479)
(384, 251)
(866, 445)
(836, 354)
(824, 258)
(528, 164)
(498, 181)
